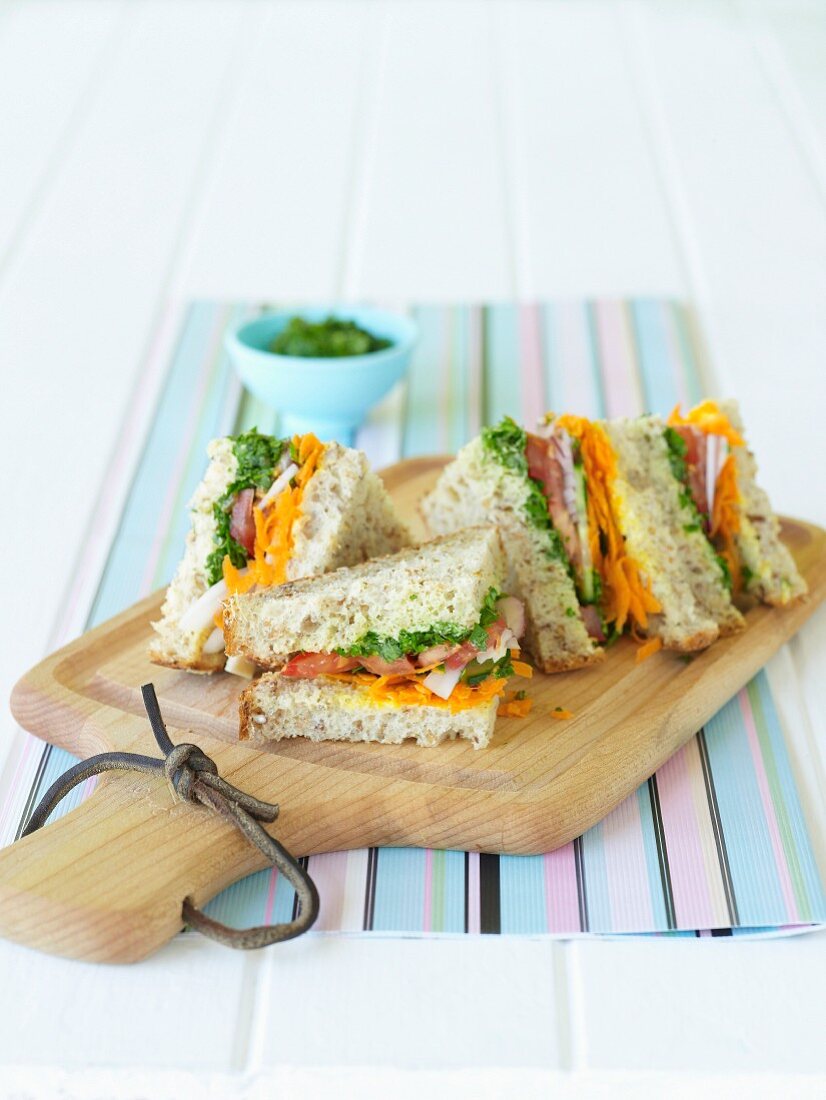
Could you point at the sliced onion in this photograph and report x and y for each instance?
(513, 612)
(240, 666)
(199, 615)
(443, 683)
(499, 651)
(280, 483)
(215, 642)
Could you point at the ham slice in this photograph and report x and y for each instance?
(551, 463)
(593, 623)
(242, 522)
(695, 460)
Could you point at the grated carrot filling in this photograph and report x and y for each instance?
(709, 418)
(725, 518)
(725, 512)
(275, 526)
(408, 688)
(408, 691)
(648, 649)
(626, 597)
(515, 708)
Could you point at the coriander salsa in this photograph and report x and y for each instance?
(331, 338)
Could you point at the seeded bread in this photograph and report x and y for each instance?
(772, 574)
(474, 489)
(346, 517)
(274, 708)
(445, 580)
(658, 523)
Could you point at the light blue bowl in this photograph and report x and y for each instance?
(330, 397)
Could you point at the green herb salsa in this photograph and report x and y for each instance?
(332, 338)
(506, 443)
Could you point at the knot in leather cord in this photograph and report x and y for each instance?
(182, 767)
(193, 777)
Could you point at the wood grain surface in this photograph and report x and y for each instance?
(106, 882)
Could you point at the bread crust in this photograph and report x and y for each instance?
(571, 662)
(206, 663)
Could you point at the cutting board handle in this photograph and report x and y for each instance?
(87, 886)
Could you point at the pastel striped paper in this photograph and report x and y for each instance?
(716, 840)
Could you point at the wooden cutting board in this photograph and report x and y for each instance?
(107, 881)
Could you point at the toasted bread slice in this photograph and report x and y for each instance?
(275, 707)
(346, 517)
(474, 489)
(443, 581)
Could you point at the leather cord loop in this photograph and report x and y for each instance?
(193, 777)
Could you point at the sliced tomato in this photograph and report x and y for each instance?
(387, 668)
(242, 522)
(306, 666)
(462, 656)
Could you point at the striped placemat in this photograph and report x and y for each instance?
(715, 842)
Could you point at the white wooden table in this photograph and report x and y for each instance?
(173, 149)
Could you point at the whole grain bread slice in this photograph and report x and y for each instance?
(443, 581)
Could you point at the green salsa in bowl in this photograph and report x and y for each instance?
(332, 338)
(322, 368)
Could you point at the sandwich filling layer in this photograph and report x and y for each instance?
(709, 494)
(626, 598)
(447, 666)
(735, 511)
(706, 465)
(555, 504)
(266, 520)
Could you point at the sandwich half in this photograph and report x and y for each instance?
(719, 474)
(268, 510)
(601, 531)
(662, 577)
(536, 497)
(417, 645)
